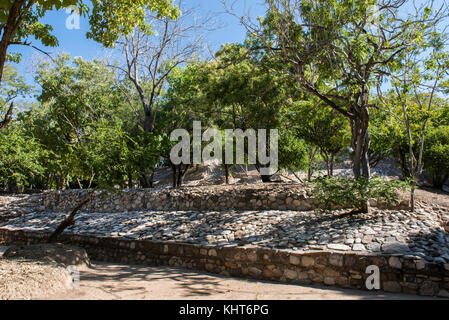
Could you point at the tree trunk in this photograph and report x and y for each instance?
(312, 152)
(179, 172)
(147, 181)
(9, 29)
(332, 162)
(403, 163)
(265, 178)
(151, 180)
(70, 220)
(182, 173)
(8, 117)
(130, 179)
(148, 125)
(327, 162)
(412, 197)
(226, 168)
(361, 144)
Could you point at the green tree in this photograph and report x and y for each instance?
(436, 155)
(21, 20)
(79, 116)
(245, 95)
(322, 128)
(13, 86)
(416, 81)
(338, 51)
(19, 159)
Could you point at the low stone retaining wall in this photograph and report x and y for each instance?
(244, 197)
(398, 274)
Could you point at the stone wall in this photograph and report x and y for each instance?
(398, 274)
(244, 197)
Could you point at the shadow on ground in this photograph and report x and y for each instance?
(108, 281)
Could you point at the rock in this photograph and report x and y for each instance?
(358, 247)
(291, 274)
(439, 260)
(420, 265)
(370, 232)
(255, 272)
(395, 247)
(443, 293)
(395, 262)
(307, 261)
(252, 256)
(329, 281)
(374, 247)
(336, 260)
(338, 247)
(428, 288)
(367, 239)
(295, 260)
(392, 286)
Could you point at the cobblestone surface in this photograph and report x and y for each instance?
(417, 234)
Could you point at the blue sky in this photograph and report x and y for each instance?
(75, 43)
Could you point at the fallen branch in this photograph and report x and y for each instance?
(70, 220)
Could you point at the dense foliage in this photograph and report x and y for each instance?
(342, 191)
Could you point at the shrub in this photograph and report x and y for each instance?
(342, 191)
(436, 155)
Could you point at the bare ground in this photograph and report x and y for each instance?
(22, 279)
(119, 282)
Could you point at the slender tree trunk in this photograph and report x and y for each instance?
(182, 174)
(226, 168)
(91, 180)
(174, 175)
(403, 163)
(151, 180)
(311, 161)
(326, 161)
(412, 197)
(332, 162)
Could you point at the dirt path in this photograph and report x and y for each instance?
(105, 281)
(112, 282)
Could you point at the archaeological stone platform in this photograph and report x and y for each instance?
(240, 197)
(271, 232)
